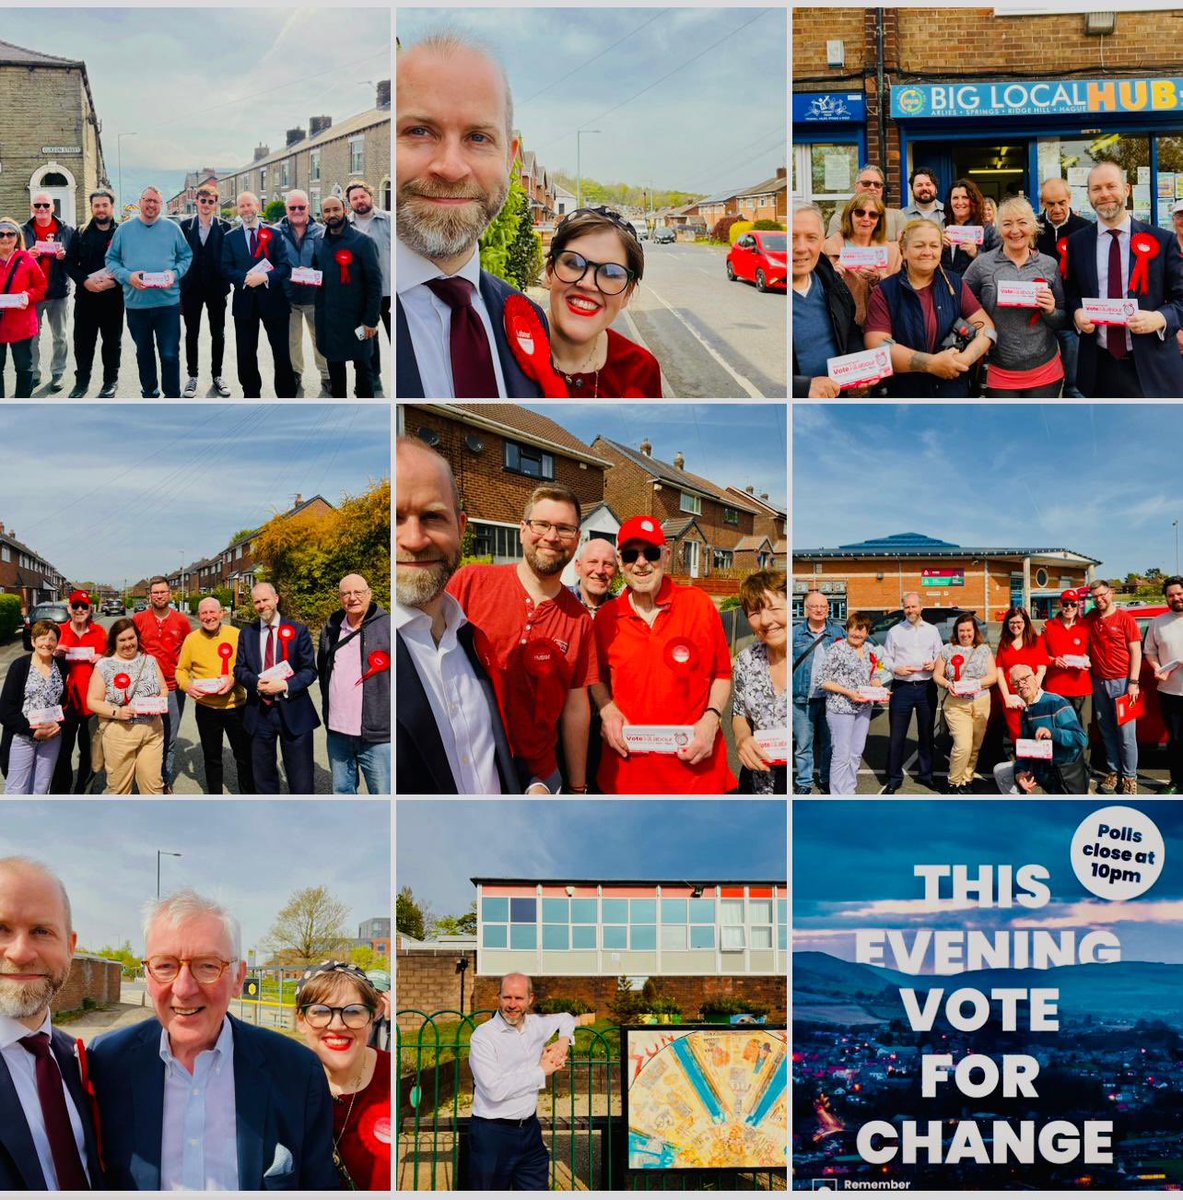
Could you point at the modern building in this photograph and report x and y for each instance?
(872, 576)
(1007, 98)
(24, 573)
(51, 137)
(375, 933)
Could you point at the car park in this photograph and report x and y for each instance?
(760, 256)
(48, 610)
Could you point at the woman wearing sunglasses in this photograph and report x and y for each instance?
(594, 264)
(22, 278)
(863, 225)
(336, 1005)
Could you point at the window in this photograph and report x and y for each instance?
(673, 937)
(583, 912)
(643, 937)
(731, 927)
(615, 912)
(583, 937)
(615, 937)
(702, 937)
(555, 937)
(526, 460)
(523, 937)
(691, 503)
(730, 516)
(496, 937)
(495, 908)
(6, 553)
(357, 155)
(556, 912)
(262, 181)
(523, 908)
(504, 542)
(285, 174)
(314, 165)
(824, 173)
(724, 559)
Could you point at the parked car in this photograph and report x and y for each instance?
(48, 610)
(942, 618)
(140, 606)
(760, 256)
(113, 606)
(664, 234)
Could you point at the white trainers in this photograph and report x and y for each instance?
(221, 386)
(190, 388)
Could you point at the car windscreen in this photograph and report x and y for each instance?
(776, 241)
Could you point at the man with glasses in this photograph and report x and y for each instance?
(205, 287)
(149, 257)
(455, 149)
(872, 180)
(98, 301)
(1115, 650)
(1164, 655)
(195, 1099)
(299, 234)
(353, 664)
(664, 661)
(56, 240)
(1045, 717)
(1067, 639)
(541, 639)
(82, 643)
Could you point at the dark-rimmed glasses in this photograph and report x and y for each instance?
(205, 970)
(207, 199)
(37, 205)
(870, 183)
(78, 603)
(353, 1016)
(630, 556)
(1069, 603)
(544, 529)
(610, 278)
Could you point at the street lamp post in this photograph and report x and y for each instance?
(119, 151)
(579, 165)
(1176, 525)
(170, 854)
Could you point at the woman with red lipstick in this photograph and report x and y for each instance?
(594, 264)
(335, 1009)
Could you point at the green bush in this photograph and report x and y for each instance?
(730, 1006)
(274, 211)
(10, 616)
(729, 602)
(765, 223)
(562, 1004)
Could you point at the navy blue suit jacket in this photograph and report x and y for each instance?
(297, 713)
(269, 300)
(408, 385)
(20, 1169)
(281, 1098)
(1157, 360)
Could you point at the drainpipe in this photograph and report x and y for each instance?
(880, 39)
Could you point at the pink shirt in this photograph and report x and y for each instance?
(345, 694)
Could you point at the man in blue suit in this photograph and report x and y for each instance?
(1123, 258)
(47, 1139)
(455, 152)
(253, 261)
(277, 710)
(194, 1099)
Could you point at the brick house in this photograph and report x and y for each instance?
(538, 188)
(710, 210)
(765, 201)
(703, 523)
(499, 453)
(771, 524)
(24, 573)
(184, 203)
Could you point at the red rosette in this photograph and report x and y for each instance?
(1062, 251)
(286, 635)
(957, 661)
(374, 1131)
(89, 1092)
(263, 244)
(530, 345)
(123, 680)
(344, 258)
(1038, 311)
(225, 653)
(1144, 247)
(680, 655)
(379, 661)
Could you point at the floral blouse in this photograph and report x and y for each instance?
(847, 668)
(143, 674)
(978, 661)
(757, 700)
(42, 691)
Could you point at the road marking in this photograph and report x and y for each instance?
(744, 383)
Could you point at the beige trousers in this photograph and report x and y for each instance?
(134, 750)
(967, 719)
(301, 315)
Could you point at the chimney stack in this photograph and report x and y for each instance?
(294, 136)
(764, 496)
(261, 151)
(647, 448)
(680, 461)
(751, 491)
(318, 125)
(383, 96)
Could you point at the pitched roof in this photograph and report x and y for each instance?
(12, 55)
(752, 541)
(667, 473)
(776, 184)
(522, 422)
(759, 502)
(919, 545)
(354, 124)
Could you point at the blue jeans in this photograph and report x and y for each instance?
(809, 723)
(349, 754)
(172, 723)
(1121, 741)
(163, 324)
(1069, 341)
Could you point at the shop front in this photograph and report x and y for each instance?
(829, 146)
(1010, 136)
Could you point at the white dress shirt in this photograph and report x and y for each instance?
(506, 1077)
(1164, 640)
(454, 692)
(429, 319)
(1103, 243)
(22, 1066)
(199, 1142)
(910, 645)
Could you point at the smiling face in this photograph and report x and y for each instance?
(548, 553)
(817, 608)
(597, 568)
(1018, 230)
(1174, 596)
(1107, 192)
(45, 644)
(856, 636)
(769, 621)
(864, 219)
(102, 209)
(332, 209)
(924, 188)
(265, 600)
(209, 613)
(127, 644)
(913, 607)
(161, 597)
(808, 235)
(922, 249)
(355, 597)
(960, 204)
(514, 999)
(1102, 597)
(964, 631)
(428, 527)
(36, 942)
(151, 203)
(248, 207)
(581, 310)
(339, 1047)
(643, 576)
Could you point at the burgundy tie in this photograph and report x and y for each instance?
(253, 243)
(67, 1162)
(473, 377)
(1115, 337)
(269, 660)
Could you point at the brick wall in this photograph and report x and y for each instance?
(96, 978)
(812, 27)
(426, 980)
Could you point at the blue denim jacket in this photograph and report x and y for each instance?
(803, 638)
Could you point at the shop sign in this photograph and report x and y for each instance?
(1038, 97)
(61, 149)
(942, 577)
(828, 107)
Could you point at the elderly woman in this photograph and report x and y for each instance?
(863, 225)
(30, 711)
(933, 323)
(335, 1009)
(760, 699)
(850, 666)
(20, 277)
(1018, 643)
(967, 206)
(126, 690)
(1025, 364)
(965, 669)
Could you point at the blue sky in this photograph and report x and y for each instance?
(740, 445)
(109, 491)
(836, 877)
(441, 844)
(686, 98)
(250, 856)
(1100, 479)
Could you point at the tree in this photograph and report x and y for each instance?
(310, 927)
(369, 959)
(497, 241)
(274, 211)
(234, 537)
(409, 915)
(464, 925)
(124, 954)
(525, 251)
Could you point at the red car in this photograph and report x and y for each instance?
(760, 256)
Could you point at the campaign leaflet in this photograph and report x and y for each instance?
(987, 995)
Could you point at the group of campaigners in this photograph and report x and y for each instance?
(119, 693)
(500, 666)
(151, 271)
(192, 1098)
(1017, 304)
(1031, 686)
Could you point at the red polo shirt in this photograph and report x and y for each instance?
(542, 650)
(1059, 639)
(1109, 641)
(163, 640)
(651, 688)
(78, 673)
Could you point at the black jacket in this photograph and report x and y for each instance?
(847, 335)
(268, 300)
(341, 307)
(375, 702)
(1045, 243)
(59, 277)
(12, 699)
(205, 273)
(88, 255)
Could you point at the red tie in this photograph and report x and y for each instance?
(1115, 337)
(269, 660)
(67, 1162)
(253, 242)
(473, 377)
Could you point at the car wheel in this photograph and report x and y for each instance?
(761, 280)
(730, 272)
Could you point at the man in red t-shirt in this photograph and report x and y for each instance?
(82, 643)
(1115, 648)
(542, 639)
(665, 661)
(1066, 638)
(163, 631)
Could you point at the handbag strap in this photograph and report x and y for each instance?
(806, 653)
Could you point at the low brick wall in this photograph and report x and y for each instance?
(90, 977)
(426, 979)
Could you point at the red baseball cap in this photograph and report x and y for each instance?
(1070, 594)
(641, 529)
(80, 597)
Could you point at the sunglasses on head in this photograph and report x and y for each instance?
(630, 556)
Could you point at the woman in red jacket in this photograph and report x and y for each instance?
(20, 276)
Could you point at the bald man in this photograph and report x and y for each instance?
(50, 241)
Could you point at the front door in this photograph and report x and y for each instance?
(692, 555)
(999, 169)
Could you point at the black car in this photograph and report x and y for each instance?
(942, 618)
(113, 606)
(48, 610)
